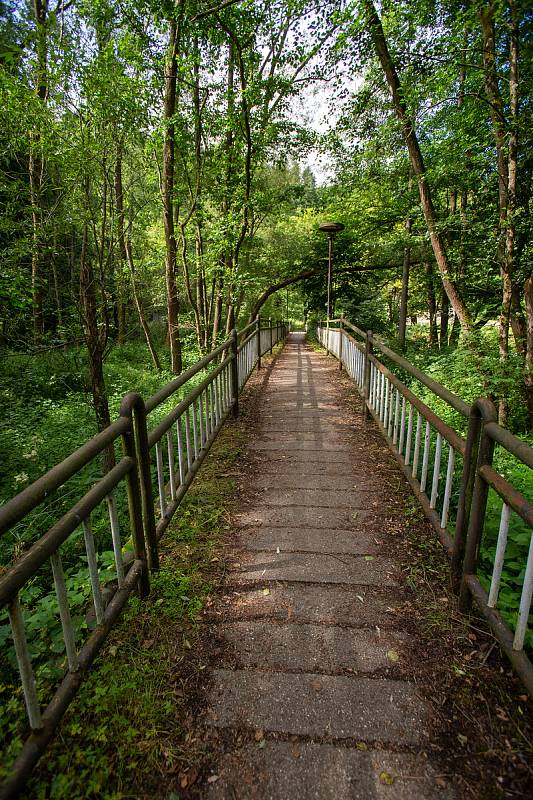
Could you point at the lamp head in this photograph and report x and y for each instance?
(331, 228)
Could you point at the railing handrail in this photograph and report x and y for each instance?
(164, 393)
(17, 507)
(394, 407)
(437, 388)
(29, 498)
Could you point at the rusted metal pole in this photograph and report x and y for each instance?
(133, 406)
(132, 449)
(235, 371)
(466, 491)
(487, 413)
(330, 273)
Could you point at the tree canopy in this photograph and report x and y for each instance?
(158, 181)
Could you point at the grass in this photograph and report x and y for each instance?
(125, 735)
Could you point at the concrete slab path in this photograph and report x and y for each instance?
(310, 694)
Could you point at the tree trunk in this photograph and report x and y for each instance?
(506, 157)
(417, 165)
(405, 287)
(444, 320)
(36, 171)
(432, 306)
(528, 379)
(140, 310)
(89, 307)
(57, 292)
(169, 157)
(218, 289)
(119, 288)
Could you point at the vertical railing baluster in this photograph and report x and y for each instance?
(436, 472)
(499, 558)
(525, 602)
(219, 378)
(448, 488)
(418, 436)
(115, 536)
(194, 429)
(425, 458)
(391, 416)
(208, 410)
(27, 678)
(409, 436)
(93, 570)
(402, 427)
(188, 438)
(160, 478)
(64, 611)
(201, 420)
(179, 434)
(396, 417)
(171, 464)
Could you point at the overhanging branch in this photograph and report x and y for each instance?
(309, 273)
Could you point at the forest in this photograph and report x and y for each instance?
(156, 185)
(164, 169)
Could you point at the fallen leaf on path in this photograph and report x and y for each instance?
(386, 778)
(213, 778)
(259, 734)
(188, 778)
(265, 591)
(316, 685)
(147, 644)
(392, 655)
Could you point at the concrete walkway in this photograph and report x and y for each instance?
(311, 697)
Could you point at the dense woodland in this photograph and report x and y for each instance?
(152, 188)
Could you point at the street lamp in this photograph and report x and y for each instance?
(332, 229)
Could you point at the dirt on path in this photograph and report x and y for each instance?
(311, 692)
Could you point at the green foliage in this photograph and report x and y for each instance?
(124, 726)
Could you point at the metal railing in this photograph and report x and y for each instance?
(159, 461)
(441, 465)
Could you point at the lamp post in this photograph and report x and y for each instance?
(332, 229)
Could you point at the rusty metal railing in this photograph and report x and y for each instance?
(440, 466)
(158, 461)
